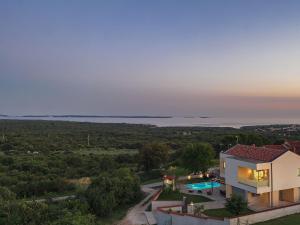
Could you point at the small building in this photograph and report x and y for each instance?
(169, 182)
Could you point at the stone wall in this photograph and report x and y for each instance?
(158, 204)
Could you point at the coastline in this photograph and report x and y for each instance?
(166, 121)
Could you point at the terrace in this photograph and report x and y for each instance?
(253, 178)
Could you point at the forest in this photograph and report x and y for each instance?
(102, 165)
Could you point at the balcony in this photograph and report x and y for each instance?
(253, 178)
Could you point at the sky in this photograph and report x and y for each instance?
(158, 57)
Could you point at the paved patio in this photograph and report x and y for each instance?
(218, 200)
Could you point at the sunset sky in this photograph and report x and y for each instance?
(155, 57)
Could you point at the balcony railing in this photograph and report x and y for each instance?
(253, 183)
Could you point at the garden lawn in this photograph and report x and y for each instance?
(287, 220)
(178, 196)
(223, 212)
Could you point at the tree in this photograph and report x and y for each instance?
(246, 139)
(127, 186)
(6, 147)
(153, 155)
(100, 196)
(6, 207)
(33, 213)
(252, 139)
(109, 191)
(198, 210)
(76, 219)
(229, 141)
(236, 204)
(176, 172)
(25, 213)
(6, 195)
(198, 157)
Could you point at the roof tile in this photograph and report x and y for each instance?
(265, 154)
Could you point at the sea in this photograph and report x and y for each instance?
(171, 121)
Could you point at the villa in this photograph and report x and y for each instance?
(265, 177)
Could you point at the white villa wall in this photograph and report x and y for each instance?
(231, 174)
(222, 159)
(285, 171)
(165, 218)
(263, 166)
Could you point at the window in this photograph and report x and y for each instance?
(252, 177)
(259, 174)
(224, 164)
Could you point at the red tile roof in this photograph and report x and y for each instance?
(293, 146)
(275, 146)
(251, 152)
(168, 177)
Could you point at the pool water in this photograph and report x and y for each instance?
(203, 185)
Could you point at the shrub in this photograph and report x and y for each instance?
(236, 204)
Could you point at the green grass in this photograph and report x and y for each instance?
(287, 220)
(177, 196)
(222, 212)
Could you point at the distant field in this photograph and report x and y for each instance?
(101, 151)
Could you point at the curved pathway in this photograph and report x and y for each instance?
(135, 215)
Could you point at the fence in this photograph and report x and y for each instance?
(165, 215)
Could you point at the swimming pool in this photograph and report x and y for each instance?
(203, 185)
